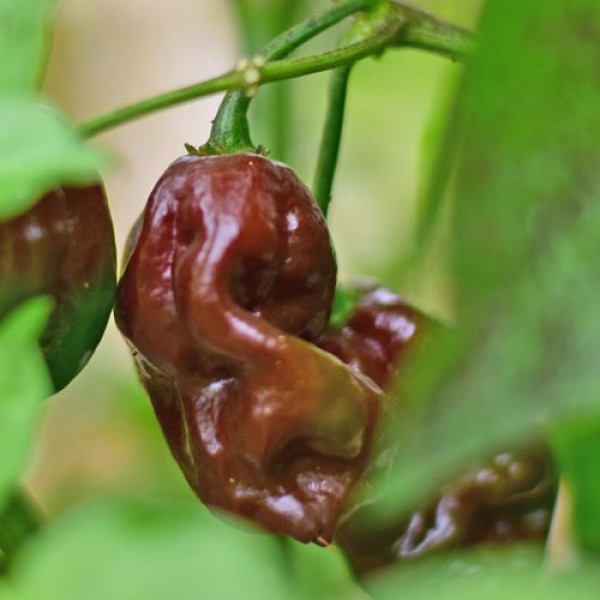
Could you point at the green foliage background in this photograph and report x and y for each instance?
(493, 224)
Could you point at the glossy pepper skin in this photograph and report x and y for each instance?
(63, 246)
(506, 498)
(379, 335)
(229, 282)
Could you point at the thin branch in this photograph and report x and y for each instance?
(407, 26)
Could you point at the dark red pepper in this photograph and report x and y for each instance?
(507, 498)
(63, 246)
(380, 333)
(229, 283)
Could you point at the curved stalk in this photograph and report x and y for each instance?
(230, 131)
(419, 30)
(332, 134)
(234, 80)
(259, 22)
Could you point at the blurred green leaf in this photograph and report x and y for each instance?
(500, 574)
(321, 573)
(149, 550)
(261, 20)
(39, 150)
(577, 446)
(437, 157)
(7, 592)
(24, 33)
(24, 381)
(524, 248)
(19, 518)
(345, 301)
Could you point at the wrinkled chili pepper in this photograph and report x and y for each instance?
(507, 498)
(379, 335)
(64, 247)
(229, 281)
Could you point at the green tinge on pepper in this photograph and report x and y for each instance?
(63, 247)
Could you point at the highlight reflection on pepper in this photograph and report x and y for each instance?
(63, 246)
(229, 283)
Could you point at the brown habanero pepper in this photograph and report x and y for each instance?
(229, 281)
(504, 499)
(62, 246)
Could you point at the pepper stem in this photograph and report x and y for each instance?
(259, 22)
(230, 131)
(421, 30)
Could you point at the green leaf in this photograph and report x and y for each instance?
(148, 550)
(438, 157)
(152, 550)
(577, 447)
(39, 150)
(524, 250)
(321, 573)
(261, 20)
(24, 33)
(345, 301)
(24, 381)
(7, 592)
(494, 575)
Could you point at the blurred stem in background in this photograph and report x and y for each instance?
(329, 149)
(19, 518)
(259, 22)
(331, 138)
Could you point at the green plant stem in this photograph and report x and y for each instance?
(259, 22)
(332, 134)
(424, 31)
(230, 131)
(234, 80)
(231, 128)
(19, 519)
(338, 88)
(280, 112)
(288, 41)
